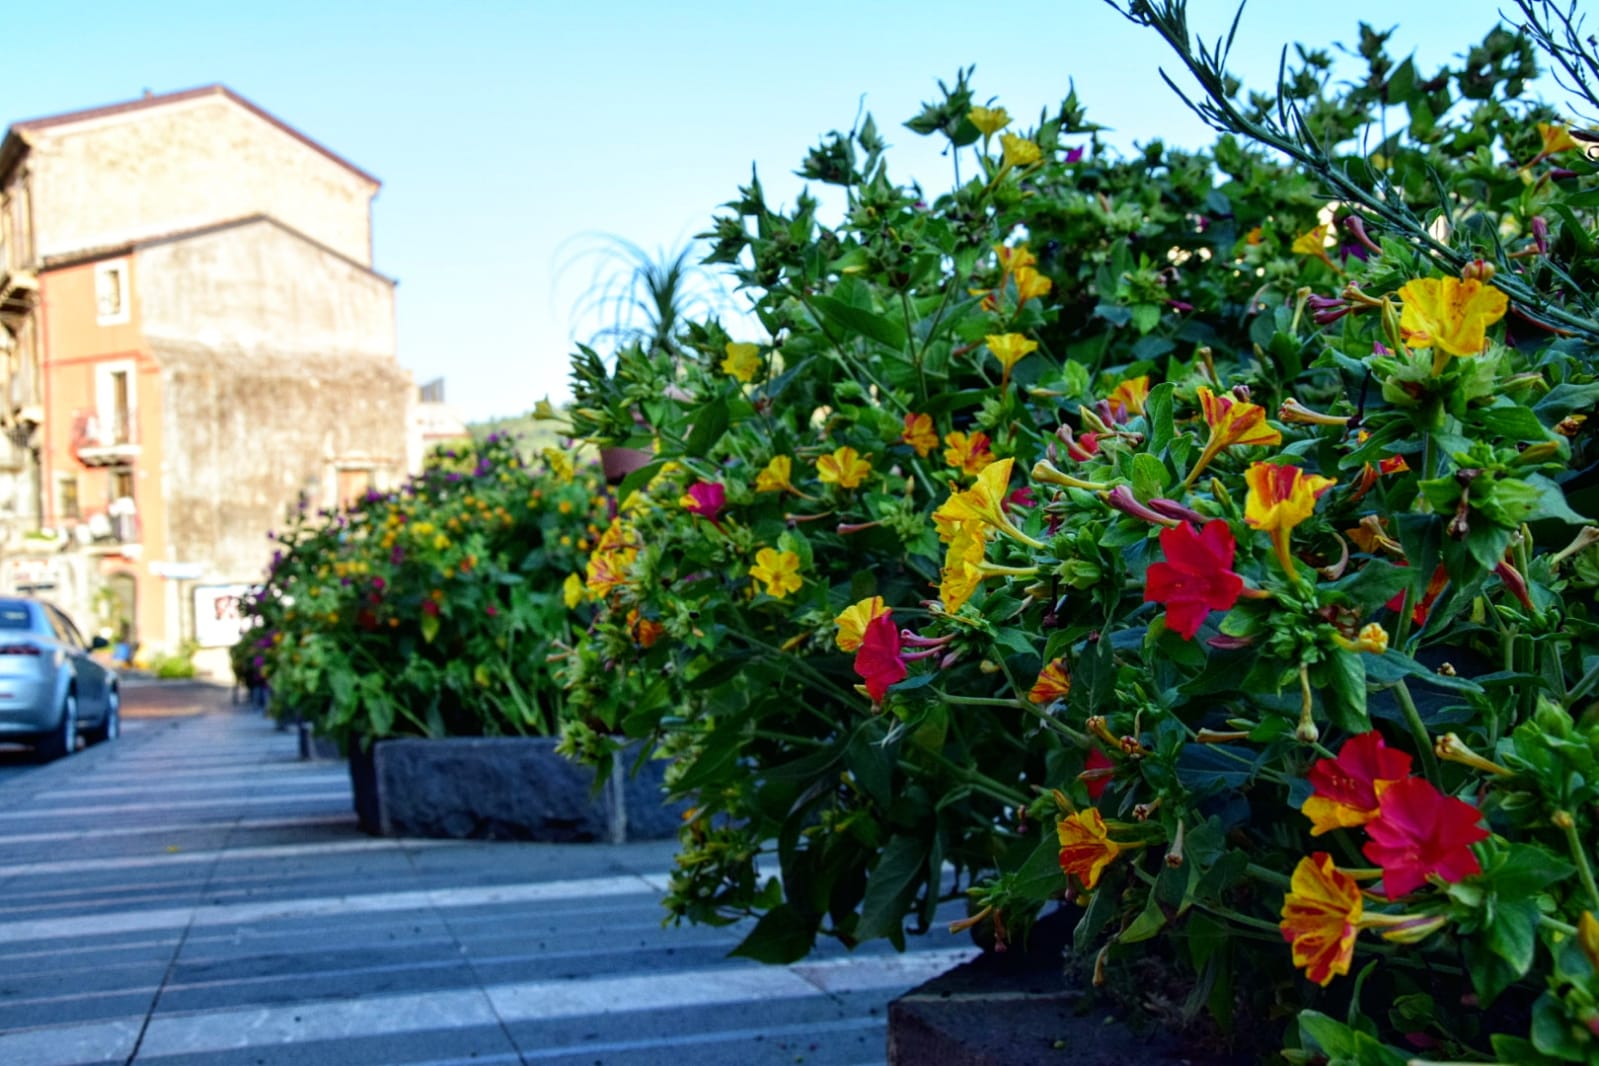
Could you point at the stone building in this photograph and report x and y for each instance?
(194, 342)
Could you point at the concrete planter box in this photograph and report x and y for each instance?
(505, 788)
(1018, 1009)
(313, 747)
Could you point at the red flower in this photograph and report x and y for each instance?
(1196, 576)
(1423, 607)
(706, 499)
(1097, 772)
(878, 660)
(1347, 788)
(1420, 831)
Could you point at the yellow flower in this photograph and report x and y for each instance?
(608, 569)
(970, 454)
(988, 120)
(1280, 498)
(1556, 138)
(1127, 398)
(919, 433)
(1231, 422)
(1321, 917)
(985, 502)
(853, 620)
(1085, 845)
(1452, 314)
(1018, 151)
(777, 477)
(1029, 284)
(779, 570)
(844, 468)
(1588, 937)
(572, 591)
(560, 463)
(1314, 243)
(1053, 683)
(1009, 349)
(1372, 638)
(960, 575)
(743, 361)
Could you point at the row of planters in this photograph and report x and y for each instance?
(1202, 539)
(430, 612)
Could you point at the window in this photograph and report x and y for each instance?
(111, 292)
(122, 483)
(67, 497)
(121, 423)
(353, 483)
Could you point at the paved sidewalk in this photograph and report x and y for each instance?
(194, 894)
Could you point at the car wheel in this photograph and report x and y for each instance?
(63, 740)
(111, 728)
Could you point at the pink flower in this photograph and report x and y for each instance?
(706, 499)
(1419, 831)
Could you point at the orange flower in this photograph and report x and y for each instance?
(854, 619)
(645, 631)
(919, 433)
(844, 468)
(1321, 918)
(1231, 422)
(1280, 498)
(970, 454)
(1127, 398)
(1053, 683)
(1085, 845)
(1346, 789)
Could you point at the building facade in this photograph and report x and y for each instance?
(194, 343)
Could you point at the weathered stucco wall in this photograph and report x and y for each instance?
(249, 431)
(278, 367)
(258, 286)
(190, 163)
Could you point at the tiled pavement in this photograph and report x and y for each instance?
(194, 894)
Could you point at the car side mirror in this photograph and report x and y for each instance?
(98, 642)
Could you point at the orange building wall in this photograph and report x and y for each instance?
(75, 345)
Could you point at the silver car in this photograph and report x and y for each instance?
(50, 689)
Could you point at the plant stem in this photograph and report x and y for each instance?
(1418, 731)
(1579, 855)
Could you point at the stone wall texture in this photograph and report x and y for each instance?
(190, 163)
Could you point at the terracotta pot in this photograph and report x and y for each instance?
(620, 462)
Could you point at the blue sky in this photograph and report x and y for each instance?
(503, 132)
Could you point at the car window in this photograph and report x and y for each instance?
(61, 627)
(15, 616)
(75, 638)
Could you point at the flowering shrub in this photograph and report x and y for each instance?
(1160, 534)
(433, 610)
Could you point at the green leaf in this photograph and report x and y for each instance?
(1158, 417)
(1554, 1033)
(858, 320)
(1524, 871)
(1373, 584)
(1512, 422)
(784, 934)
(710, 423)
(1346, 682)
(1150, 920)
(1512, 934)
(1040, 877)
(1343, 1045)
(430, 627)
(891, 886)
(1150, 476)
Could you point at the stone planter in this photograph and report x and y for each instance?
(314, 747)
(504, 788)
(1018, 1009)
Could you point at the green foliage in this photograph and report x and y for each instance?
(433, 610)
(1393, 312)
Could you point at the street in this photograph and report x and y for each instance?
(193, 893)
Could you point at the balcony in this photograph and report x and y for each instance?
(109, 443)
(19, 289)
